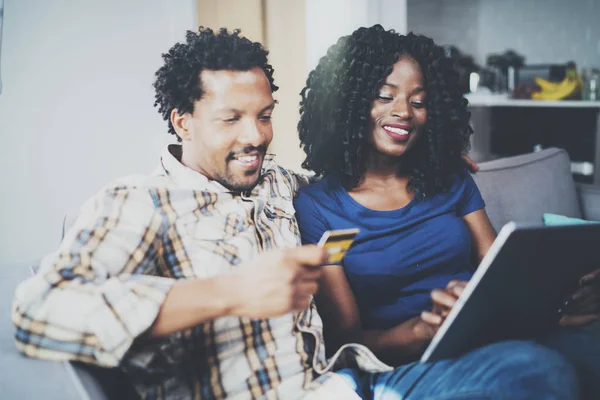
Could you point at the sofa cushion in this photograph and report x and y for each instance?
(522, 188)
(589, 198)
(558, 220)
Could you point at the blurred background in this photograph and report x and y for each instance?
(76, 108)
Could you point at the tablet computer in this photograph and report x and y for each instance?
(518, 288)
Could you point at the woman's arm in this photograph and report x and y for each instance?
(338, 309)
(482, 234)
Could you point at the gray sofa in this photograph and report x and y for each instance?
(519, 188)
(524, 187)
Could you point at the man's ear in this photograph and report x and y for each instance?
(181, 124)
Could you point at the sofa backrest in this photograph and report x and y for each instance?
(524, 187)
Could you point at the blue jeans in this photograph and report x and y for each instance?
(583, 351)
(507, 370)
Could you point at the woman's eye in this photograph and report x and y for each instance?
(418, 104)
(265, 118)
(384, 98)
(231, 120)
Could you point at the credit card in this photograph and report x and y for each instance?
(337, 242)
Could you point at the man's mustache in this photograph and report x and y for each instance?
(262, 149)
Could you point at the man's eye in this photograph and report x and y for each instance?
(231, 120)
(265, 118)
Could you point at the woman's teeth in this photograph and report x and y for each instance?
(399, 131)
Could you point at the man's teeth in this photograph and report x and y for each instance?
(396, 130)
(247, 159)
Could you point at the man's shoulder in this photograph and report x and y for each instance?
(132, 187)
(293, 180)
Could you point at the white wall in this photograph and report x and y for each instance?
(327, 20)
(77, 106)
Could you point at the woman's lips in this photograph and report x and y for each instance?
(396, 133)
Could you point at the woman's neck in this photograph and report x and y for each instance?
(382, 186)
(383, 172)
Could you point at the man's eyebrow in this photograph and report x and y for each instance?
(269, 107)
(237, 111)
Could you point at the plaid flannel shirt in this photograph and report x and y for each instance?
(94, 298)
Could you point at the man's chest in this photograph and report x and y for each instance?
(208, 233)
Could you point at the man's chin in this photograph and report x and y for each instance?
(242, 184)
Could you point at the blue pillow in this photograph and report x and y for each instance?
(555, 220)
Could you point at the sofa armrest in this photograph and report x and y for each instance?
(589, 199)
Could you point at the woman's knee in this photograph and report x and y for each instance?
(534, 368)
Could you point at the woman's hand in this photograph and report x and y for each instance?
(405, 342)
(443, 301)
(583, 307)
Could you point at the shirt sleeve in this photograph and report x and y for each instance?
(470, 199)
(94, 295)
(311, 223)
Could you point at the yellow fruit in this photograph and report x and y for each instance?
(546, 85)
(567, 88)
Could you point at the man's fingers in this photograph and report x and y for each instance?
(582, 294)
(302, 302)
(587, 305)
(442, 298)
(307, 288)
(310, 274)
(578, 320)
(591, 308)
(472, 165)
(431, 318)
(310, 256)
(591, 278)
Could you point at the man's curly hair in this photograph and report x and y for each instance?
(178, 84)
(336, 106)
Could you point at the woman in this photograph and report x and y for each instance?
(384, 123)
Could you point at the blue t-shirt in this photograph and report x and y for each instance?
(399, 256)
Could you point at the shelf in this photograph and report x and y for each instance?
(502, 100)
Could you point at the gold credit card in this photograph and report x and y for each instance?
(337, 242)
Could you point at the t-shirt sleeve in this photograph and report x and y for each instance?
(470, 199)
(310, 221)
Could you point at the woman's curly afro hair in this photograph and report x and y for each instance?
(178, 84)
(336, 106)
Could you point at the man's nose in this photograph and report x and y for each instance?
(252, 135)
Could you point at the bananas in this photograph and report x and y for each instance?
(570, 87)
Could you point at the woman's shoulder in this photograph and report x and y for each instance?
(322, 187)
(460, 182)
(461, 179)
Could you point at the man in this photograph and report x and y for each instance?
(192, 280)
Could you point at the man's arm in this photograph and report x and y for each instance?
(273, 284)
(92, 297)
(96, 295)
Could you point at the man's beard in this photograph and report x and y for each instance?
(229, 181)
(231, 184)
